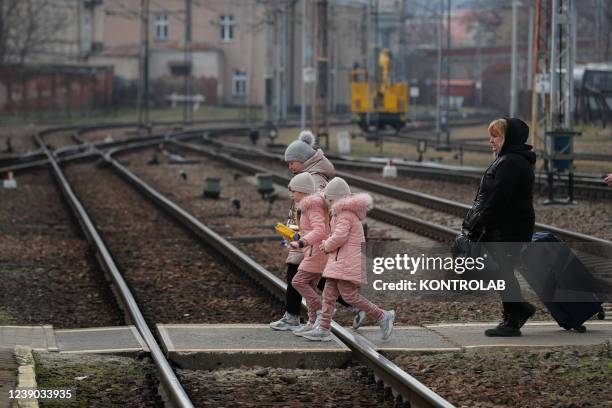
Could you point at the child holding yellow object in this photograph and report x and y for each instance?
(313, 229)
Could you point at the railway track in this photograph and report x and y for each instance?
(468, 145)
(392, 376)
(410, 390)
(595, 254)
(412, 196)
(172, 387)
(585, 186)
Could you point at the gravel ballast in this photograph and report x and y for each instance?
(274, 387)
(47, 272)
(555, 377)
(174, 278)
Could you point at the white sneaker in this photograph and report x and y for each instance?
(386, 323)
(309, 326)
(286, 323)
(318, 334)
(304, 328)
(359, 318)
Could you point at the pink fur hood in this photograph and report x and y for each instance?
(359, 203)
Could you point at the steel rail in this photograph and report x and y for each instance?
(79, 151)
(79, 129)
(451, 172)
(438, 203)
(584, 186)
(473, 146)
(400, 381)
(168, 378)
(423, 227)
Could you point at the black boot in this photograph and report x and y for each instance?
(524, 312)
(508, 328)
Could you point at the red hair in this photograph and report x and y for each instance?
(497, 128)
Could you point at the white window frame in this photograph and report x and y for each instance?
(226, 24)
(240, 83)
(162, 27)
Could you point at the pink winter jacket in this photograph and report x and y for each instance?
(344, 245)
(313, 227)
(321, 170)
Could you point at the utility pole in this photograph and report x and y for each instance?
(530, 48)
(554, 114)
(188, 62)
(562, 61)
(250, 31)
(304, 65)
(559, 132)
(439, 85)
(514, 65)
(278, 66)
(599, 33)
(281, 37)
(269, 65)
(369, 67)
(403, 74)
(80, 51)
(448, 73)
(143, 88)
(333, 75)
(321, 111)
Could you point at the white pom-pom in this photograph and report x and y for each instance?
(307, 137)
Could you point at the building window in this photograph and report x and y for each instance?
(162, 27)
(239, 83)
(226, 24)
(180, 68)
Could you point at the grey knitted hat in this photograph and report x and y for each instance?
(337, 189)
(303, 182)
(301, 149)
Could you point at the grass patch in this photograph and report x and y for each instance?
(95, 380)
(5, 317)
(130, 115)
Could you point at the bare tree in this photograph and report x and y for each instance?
(32, 28)
(489, 22)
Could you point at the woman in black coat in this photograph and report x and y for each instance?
(503, 212)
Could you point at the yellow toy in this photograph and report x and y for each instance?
(288, 232)
(387, 101)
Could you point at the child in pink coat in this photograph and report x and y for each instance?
(344, 270)
(313, 228)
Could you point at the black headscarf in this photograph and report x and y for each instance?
(517, 133)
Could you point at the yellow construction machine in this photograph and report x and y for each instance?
(385, 102)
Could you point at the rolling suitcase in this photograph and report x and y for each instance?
(555, 272)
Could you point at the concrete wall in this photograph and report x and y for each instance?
(124, 67)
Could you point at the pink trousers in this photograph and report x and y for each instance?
(350, 293)
(306, 284)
